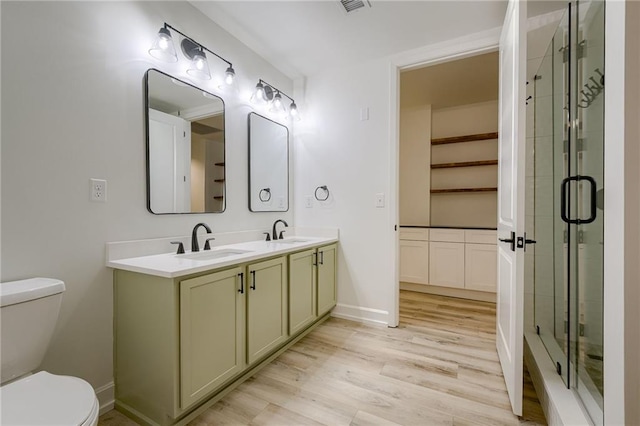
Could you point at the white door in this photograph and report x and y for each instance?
(511, 186)
(169, 163)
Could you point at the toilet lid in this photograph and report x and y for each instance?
(46, 399)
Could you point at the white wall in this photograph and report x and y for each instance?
(335, 148)
(72, 109)
(415, 170)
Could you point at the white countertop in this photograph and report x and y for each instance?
(171, 265)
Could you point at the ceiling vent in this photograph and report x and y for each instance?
(354, 5)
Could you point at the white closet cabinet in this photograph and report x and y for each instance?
(414, 255)
(446, 258)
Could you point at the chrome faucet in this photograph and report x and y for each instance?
(275, 234)
(194, 236)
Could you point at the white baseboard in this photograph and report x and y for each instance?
(482, 296)
(361, 314)
(560, 405)
(106, 397)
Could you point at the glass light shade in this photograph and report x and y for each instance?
(293, 112)
(163, 47)
(276, 104)
(199, 66)
(259, 96)
(229, 76)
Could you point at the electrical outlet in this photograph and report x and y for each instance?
(98, 190)
(308, 201)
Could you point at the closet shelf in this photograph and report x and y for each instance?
(465, 164)
(454, 190)
(467, 138)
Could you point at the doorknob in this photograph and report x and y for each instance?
(511, 240)
(523, 241)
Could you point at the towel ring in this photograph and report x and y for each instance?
(325, 189)
(267, 197)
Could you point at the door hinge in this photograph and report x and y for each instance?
(581, 51)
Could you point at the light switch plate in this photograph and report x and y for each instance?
(364, 114)
(308, 201)
(380, 199)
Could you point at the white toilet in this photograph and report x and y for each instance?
(28, 314)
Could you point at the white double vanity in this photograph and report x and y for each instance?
(190, 327)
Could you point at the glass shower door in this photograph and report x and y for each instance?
(589, 156)
(569, 201)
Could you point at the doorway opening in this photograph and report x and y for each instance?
(448, 178)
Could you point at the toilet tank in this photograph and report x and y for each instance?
(28, 314)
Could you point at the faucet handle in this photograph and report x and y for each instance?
(180, 246)
(281, 237)
(268, 236)
(206, 243)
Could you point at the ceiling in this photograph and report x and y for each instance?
(465, 81)
(304, 37)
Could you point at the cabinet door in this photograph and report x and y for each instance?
(302, 290)
(211, 332)
(446, 264)
(266, 307)
(327, 292)
(481, 264)
(414, 262)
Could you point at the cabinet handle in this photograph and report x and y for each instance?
(253, 280)
(241, 291)
(322, 258)
(315, 259)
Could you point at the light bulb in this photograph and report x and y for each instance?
(293, 109)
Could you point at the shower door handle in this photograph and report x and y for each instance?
(563, 199)
(592, 201)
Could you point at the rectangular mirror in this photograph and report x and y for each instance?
(185, 147)
(268, 165)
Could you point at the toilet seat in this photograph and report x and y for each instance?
(48, 399)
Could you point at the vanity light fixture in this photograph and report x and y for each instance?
(164, 50)
(267, 93)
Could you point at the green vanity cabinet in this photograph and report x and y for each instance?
(267, 308)
(302, 290)
(182, 343)
(212, 332)
(327, 291)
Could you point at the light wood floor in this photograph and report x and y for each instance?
(439, 367)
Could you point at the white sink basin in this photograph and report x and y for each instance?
(212, 254)
(291, 241)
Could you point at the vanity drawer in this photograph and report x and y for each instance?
(414, 234)
(447, 235)
(479, 236)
